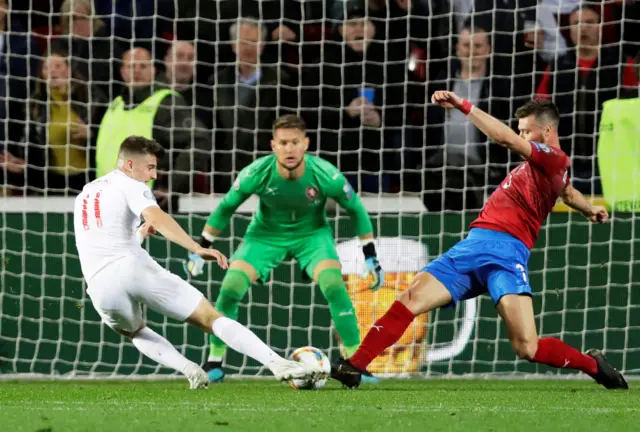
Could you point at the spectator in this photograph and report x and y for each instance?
(158, 113)
(355, 102)
(579, 98)
(457, 149)
(403, 25)
(63, 113)
(18, 65)
(247, 98)
(87, 41)
(180, 75)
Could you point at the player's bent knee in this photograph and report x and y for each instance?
(328, 264)
(129, 334)
(246, 268)
(425, 293)
(525, 349)
(204, 315)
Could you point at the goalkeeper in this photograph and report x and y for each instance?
(290, 222)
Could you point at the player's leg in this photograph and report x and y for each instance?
(443, 282)
(253, 260)
(235, 284)
(124, 315)
(328, 275)
(424, 294)
(171, 296)
(244, 341)
(517, 313)
(317, 256)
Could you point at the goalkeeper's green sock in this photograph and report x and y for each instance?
(342, 311)
(234, 287)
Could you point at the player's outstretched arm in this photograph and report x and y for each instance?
(574, 199)
(493, 128)
(170, 229)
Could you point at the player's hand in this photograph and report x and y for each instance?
(146, 230)
(597, 214)
(446, 99)
(374, 269)
(212, 255)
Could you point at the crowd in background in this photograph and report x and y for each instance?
(207, 78)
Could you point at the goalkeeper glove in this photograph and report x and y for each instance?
(194, 265)
(373, 265)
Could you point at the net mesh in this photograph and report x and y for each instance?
(361, 75)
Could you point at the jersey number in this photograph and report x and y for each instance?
(507, 184)
(96, 211)
(523, 271)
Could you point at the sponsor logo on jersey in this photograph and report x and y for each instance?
(312, 192)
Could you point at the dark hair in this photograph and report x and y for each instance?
(290, 121)
(542, 109)
(474, 29)
(141, 146)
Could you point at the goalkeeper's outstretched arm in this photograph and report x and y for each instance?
(220, 217)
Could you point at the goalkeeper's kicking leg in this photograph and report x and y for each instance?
(427, 293)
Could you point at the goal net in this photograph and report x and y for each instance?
(361, 74)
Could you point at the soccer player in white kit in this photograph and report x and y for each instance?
(121, 275)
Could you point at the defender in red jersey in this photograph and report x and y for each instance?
(493, 257)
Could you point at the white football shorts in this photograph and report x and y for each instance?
(119, 290)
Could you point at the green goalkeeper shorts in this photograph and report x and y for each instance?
(264, 252)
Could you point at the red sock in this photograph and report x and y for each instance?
(554, 352)
(384, 333)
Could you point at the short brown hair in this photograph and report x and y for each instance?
(290, 121)
(542, 109)
(141, 146)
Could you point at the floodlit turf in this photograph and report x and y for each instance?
(432, 405)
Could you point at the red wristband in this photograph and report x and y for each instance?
(466, 107)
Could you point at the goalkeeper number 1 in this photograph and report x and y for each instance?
(293, 188)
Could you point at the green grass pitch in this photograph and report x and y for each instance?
(256, 405)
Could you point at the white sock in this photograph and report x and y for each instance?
(160, 350)
(243, 340)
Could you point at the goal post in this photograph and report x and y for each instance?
(363, 87)
(582, 293)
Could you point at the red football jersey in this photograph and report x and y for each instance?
(525, 198)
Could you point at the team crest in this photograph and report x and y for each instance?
(312, 192)
(149, 195)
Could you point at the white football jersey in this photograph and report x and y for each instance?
(106, 216)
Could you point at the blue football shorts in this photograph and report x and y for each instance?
(486, 261)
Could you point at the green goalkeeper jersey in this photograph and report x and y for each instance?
(291, 207)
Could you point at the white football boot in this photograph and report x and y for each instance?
(198, 379)
(285, 370)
